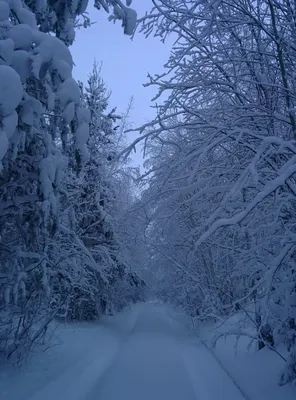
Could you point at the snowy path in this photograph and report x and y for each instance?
(162, 361)
(145, 353)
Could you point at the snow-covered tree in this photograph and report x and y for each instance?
(63, 16)
(36, 88)
(41, 259)
(91, 206)
(222, 163)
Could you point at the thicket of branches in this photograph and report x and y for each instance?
(220, 193)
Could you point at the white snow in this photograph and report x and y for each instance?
(82, 6)
(30, 107)
(128, 16)
(69, 92)
(6, 51)
(69, 31)
(154, 364)
(10, 124)
(130, 21)
(47, 174)
(24, 16)
(69, 112)
(3, 146)
(81, 137)
(256, 372)
(146, 352)
(82, 132)
(27, 113)
(21, 64)
(4, 11)
(22, 36)
(77, 356)
(50, 49)
(64, 69)
(50, 98)
(11, 90)
(83, 114)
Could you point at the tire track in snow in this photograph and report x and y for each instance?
(243, 393)
(196, 365)
(78, 380)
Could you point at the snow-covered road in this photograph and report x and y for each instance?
(144, 353)
(148, 366)
(161, 360)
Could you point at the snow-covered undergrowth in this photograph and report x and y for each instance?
(77, 355)
(257, 372)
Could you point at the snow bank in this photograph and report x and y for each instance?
(256, 372)
(77, 355)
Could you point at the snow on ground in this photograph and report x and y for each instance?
(146, 352)
(79, 354)
(163, 360)
(256, 372)
(148, 366)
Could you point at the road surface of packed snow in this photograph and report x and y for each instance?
(160, 360)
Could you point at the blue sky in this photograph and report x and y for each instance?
(125, 62)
